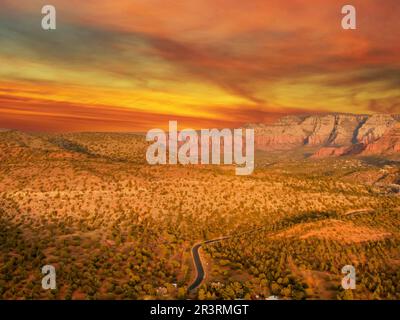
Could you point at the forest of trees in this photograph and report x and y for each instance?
(117, 229)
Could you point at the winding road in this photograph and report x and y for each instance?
(200, 273)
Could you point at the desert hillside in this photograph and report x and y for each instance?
(117, 228)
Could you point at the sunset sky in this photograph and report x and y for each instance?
(132, 65)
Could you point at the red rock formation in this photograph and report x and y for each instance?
(339, 151)
(336, 134)
(375, 127)
(388, 144)
(330, 152)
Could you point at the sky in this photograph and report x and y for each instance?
(133, 65)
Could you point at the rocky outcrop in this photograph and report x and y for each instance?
(319, 129)
(284, 134)
(339, 151)
(375, 127)
(334, 134)
(388, 144)
(330, 151)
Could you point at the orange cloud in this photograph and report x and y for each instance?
(131, 64)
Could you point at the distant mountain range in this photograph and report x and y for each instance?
(315, 136)
(332, 134)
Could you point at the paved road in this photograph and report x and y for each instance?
(200, 273)
(198, 264)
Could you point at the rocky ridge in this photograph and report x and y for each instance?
(332, 134)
